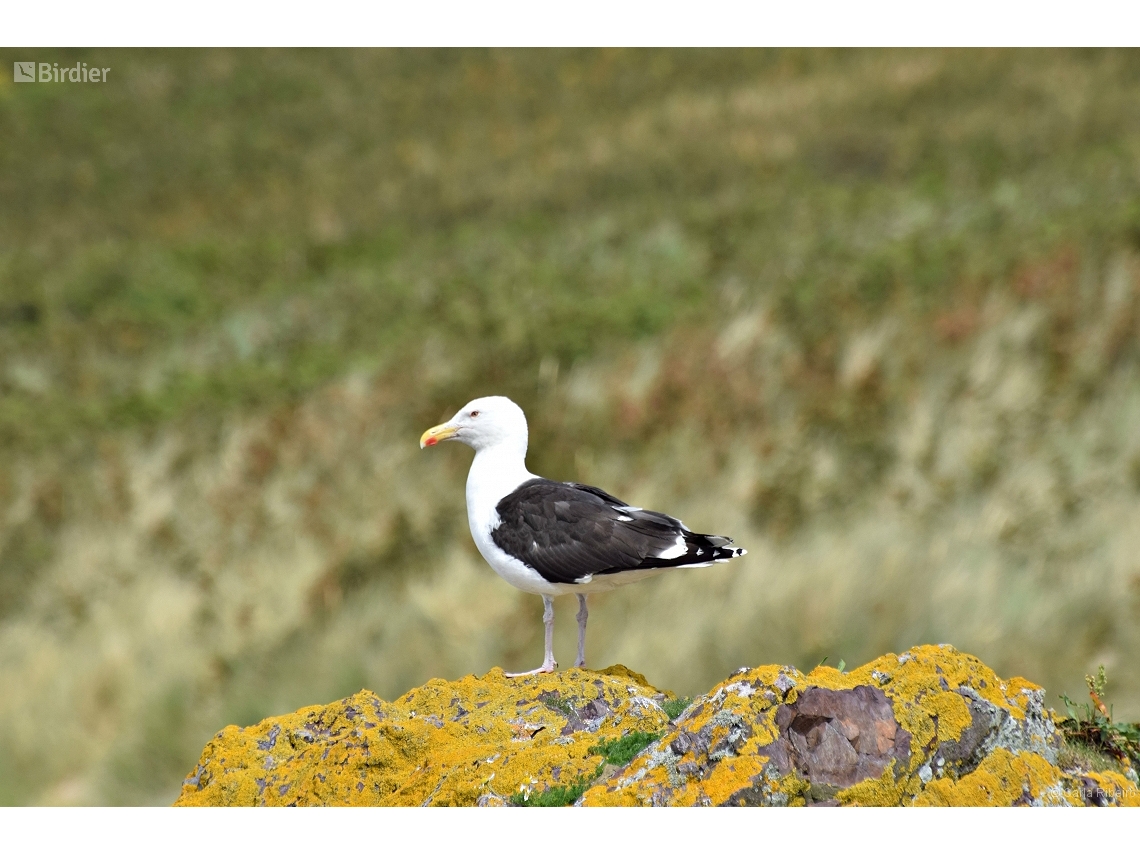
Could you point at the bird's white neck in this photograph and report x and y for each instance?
(495, 472)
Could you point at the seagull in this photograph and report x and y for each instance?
(553, 538)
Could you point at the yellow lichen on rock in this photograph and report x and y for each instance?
(1002, 780)
(932, 726)
(832, 678)
(715, 753)
(730, 724)
(898, 723)
(445, 743)
(925, 686)
(1106, 788)
(949, 714)
(888, 790)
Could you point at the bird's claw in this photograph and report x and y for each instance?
(544, 668)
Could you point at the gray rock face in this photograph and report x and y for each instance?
(993, 727)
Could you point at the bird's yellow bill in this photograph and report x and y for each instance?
(437, 434)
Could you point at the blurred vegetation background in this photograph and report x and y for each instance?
(873, 314)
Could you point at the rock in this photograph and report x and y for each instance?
(930, 727)
(468, 742)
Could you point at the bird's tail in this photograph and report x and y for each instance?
(727, 554)
(696, 550)
(723, 550)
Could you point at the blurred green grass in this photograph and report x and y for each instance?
(849, 279)
(551, 203)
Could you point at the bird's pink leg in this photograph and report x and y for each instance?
(548, 663)
(583, 613)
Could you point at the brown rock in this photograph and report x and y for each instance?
(839, 737)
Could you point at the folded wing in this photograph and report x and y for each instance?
(572, 532)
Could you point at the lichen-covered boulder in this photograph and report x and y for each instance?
(467, 742)
(933, 727)
(930, 727)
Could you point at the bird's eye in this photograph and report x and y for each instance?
(474, 413)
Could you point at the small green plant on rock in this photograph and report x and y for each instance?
(560, 796)
(673, 707)
(615, 752)
(1089, 729)
(553, 701)
(619, 752)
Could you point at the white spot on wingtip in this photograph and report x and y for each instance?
(675, 551)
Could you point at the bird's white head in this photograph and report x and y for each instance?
(483, 423)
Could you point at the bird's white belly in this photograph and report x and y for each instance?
(510, 568)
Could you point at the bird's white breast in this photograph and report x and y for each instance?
(493, 476)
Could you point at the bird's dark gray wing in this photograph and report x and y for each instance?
(568, 532)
